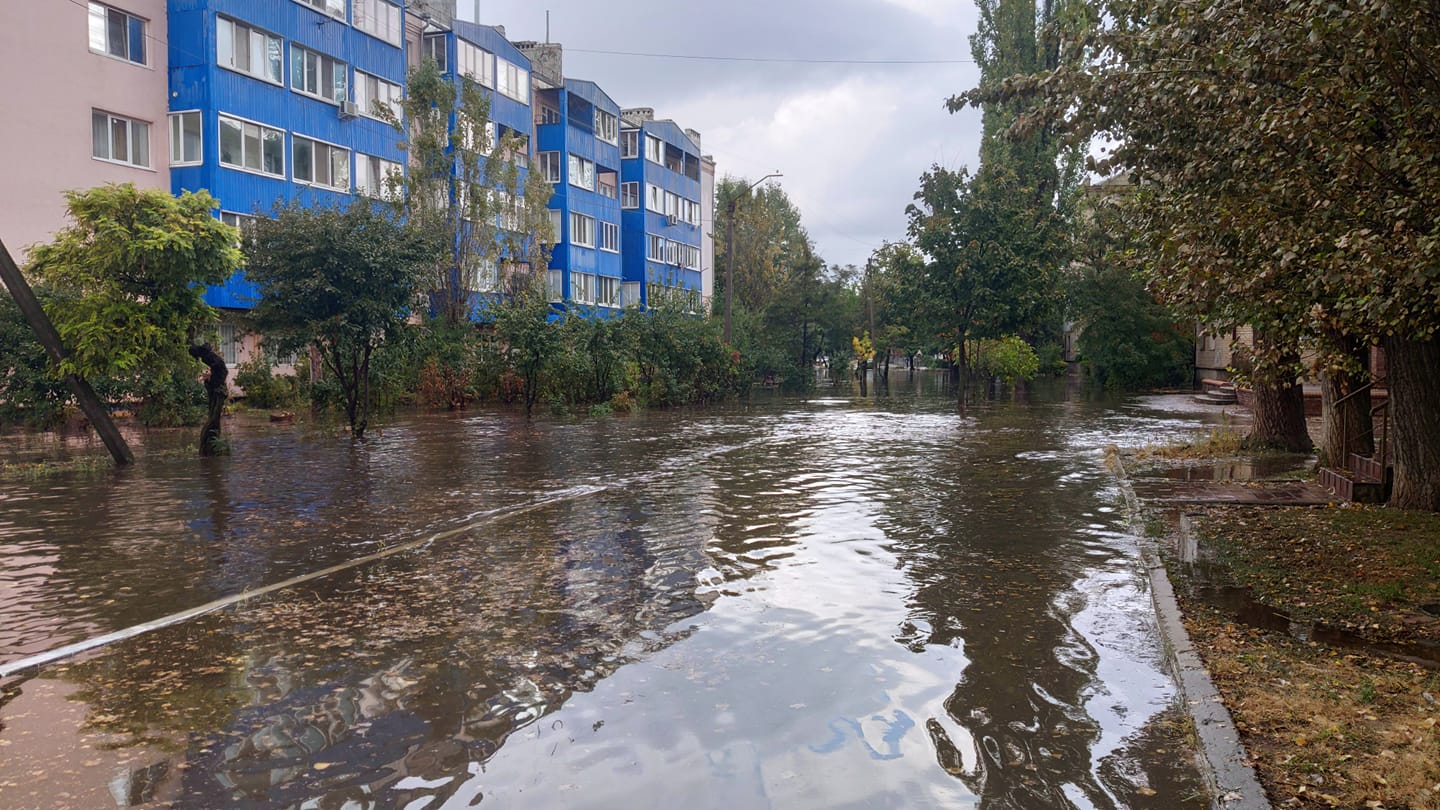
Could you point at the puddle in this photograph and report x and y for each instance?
(1208, 584)
(1238, 470)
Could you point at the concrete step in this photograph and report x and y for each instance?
(1216, 398)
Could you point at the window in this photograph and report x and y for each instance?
(377, 177)
(475, 64)
(654, 248)
(607, 291)
(690, 257)
(240, 222)
(654, 149)
(250, 51)
(253, 147)
(475, 138)
(509, 211)
(630, 143)
(321, 164)
(373, 95)
(378, 19)
(610, 237)
(655, 199)
(629, 195)
(435, 49)
(487, 275)
(120, 140)
(582, 288)
(316, 74)
(229, 344)
(117, 34)
(185, 138)
(582, 173)
(606, 126)
(582, 230)
(519, 151)
(555, 220)
(550, 166)
(557, 285)
(335, 8)
(672, 205)
(512, 80)
(672, 252)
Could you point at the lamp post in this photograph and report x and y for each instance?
(730, 248)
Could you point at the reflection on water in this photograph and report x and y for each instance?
(844, 602)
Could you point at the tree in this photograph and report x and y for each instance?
(1292, 150)
(341, 279)
(126, 282)
(464, 189)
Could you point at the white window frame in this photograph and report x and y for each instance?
(655, 248)
(582, 230)
(330, 8)
(180, 123)
(582, 288)
(263, 128)
(654, 150)
(609, 237)
(654, 198)
(607, 126)
(258, 69)
(549, 166)
(380, 19)
(373, 179)
(557, 221)
(332, 151)
(556, 278)
(300, 56)
(629, 143)
(469, 56)
(131, 126)
(582, 172)
(367, 100)
(102, 43)
(512, 80)
(607, 291)
(630, 195)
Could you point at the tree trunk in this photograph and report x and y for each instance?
(1413, 371)
(217, 392)
(362, 384)
(1279, 402)
(1345, 426)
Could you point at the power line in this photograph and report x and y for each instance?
(775, 59)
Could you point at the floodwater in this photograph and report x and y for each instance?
(827, 603)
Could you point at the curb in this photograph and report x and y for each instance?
(1224, 765)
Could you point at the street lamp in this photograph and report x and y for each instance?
(730, 248)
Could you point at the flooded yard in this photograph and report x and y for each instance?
(833, 602)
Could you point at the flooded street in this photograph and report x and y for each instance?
(824, 603)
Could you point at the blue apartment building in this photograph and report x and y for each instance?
(287, 100)
(280, 100)
(660, 198)
(577, 128)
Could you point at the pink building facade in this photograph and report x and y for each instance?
(86, 88)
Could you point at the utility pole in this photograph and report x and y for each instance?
(730, 248)
(45, 332)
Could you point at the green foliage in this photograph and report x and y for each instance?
(679, 359)
(175, 400)
(522, 323)
(341, 279)
(1009, 358)
(31, 394)
(126, 278)
(265, 389)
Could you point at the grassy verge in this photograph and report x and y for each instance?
(1328, 726)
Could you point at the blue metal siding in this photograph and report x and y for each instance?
(197, 82)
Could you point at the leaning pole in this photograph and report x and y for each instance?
(45, 332)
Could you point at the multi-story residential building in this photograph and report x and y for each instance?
(283, 100)
(661, 195)
(86, 91)
(577, 131)
(262, 102)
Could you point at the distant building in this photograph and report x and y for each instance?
(661, 193)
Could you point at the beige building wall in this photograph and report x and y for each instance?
(53, 80)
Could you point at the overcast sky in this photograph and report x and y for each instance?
(851, 139)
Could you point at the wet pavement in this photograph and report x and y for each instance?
(840, 602)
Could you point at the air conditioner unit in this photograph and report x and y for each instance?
(669, 220)
(349, 109)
